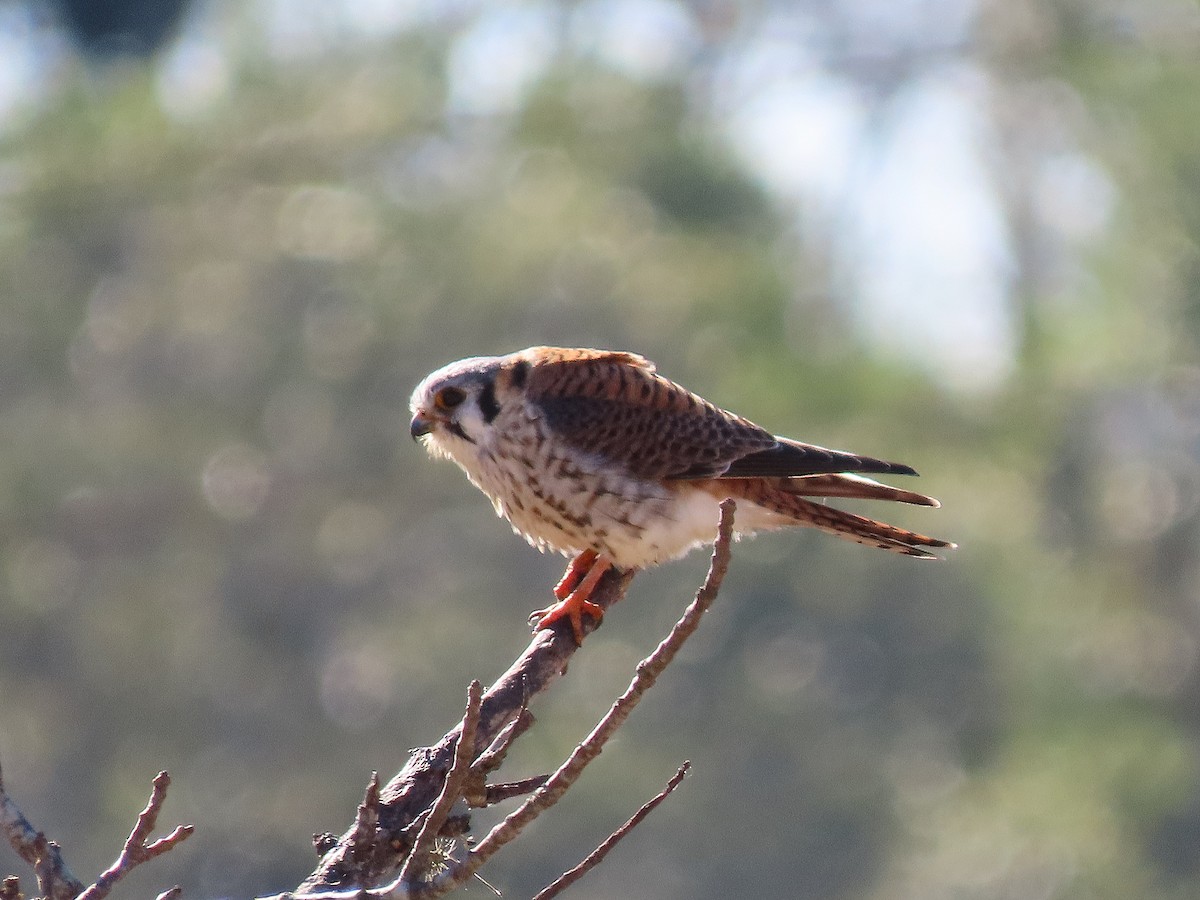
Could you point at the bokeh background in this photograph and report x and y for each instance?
(964, 234)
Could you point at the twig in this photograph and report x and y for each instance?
(492, 758)
(136, 851)
(593, 859)
(45, 869)
(417, 861)
(506, 790)
(366, 821)
(477, 792)
(648, 671)
(55, 880)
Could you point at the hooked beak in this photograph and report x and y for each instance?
(420, 426)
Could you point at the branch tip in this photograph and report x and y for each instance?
(593, 859)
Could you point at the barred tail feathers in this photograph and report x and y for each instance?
(796, 510)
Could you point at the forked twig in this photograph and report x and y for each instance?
(593, 859)
(55, 881)
(136, 850)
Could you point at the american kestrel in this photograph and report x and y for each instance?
(592, 454)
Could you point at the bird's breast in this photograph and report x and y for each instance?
(566, 500)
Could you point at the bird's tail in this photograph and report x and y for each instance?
(847, 485)
(782, 496)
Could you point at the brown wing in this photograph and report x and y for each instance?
(615, 406)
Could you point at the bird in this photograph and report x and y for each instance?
(594, 455)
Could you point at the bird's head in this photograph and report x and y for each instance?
(454, 407)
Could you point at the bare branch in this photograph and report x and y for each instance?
(382, 834)
(55, 880)
(406, 799)
(417, 861)
(648, 671)
(136, 850)
(452, 789)
(416, 786)
(593, 859)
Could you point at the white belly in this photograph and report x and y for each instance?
(688, 520)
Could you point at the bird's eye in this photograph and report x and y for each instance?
(449, 397)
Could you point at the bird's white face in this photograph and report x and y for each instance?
(453, 408)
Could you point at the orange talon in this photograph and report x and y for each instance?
(576, 603)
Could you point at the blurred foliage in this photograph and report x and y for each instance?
(222, 556)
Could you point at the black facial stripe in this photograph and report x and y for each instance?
(458, 429)
(487, 402)
(520, 370)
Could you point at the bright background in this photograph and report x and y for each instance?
(964, 235)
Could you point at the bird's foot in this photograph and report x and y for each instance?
(574, 604)
(575, 571)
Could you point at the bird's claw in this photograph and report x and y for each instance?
(570, 609)
(573, 593)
